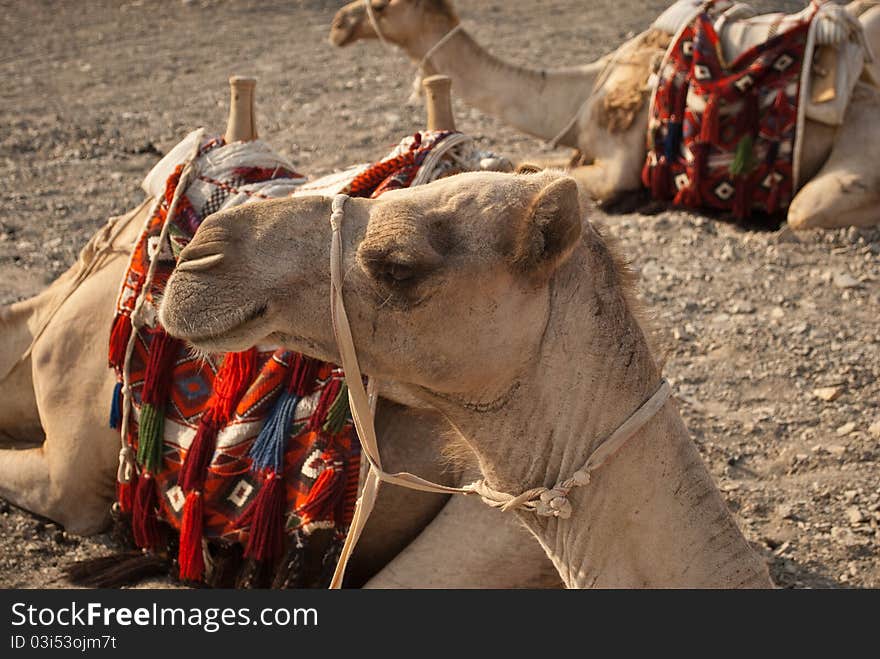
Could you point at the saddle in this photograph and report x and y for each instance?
(838, 47)
(731, 96)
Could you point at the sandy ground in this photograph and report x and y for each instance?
(753, 322)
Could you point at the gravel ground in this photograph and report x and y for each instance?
(772, 338)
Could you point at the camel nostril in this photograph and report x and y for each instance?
(199, 263)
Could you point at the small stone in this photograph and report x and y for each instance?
(742, 307)
(874, 428)
(828, 394)
(836, 450)
(845, 429)
(846, 280)
(854, 515)
(777, 313)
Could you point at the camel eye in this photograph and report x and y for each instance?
(380, 5)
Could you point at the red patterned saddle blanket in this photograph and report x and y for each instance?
(724, 134)
(253, 449)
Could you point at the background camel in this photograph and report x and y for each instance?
(69, 476)
(486, 297)
(601, 109)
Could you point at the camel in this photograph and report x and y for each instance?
(58, 457)
(600, 109)
(489, 298)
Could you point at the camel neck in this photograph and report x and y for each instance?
(651, 516)
(539, 102)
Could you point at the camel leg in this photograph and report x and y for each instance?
(63, 480)
(606, 182)
(469, 545)
(19, 419)
(70, 478)
(846, 190)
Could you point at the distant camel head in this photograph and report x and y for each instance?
(446, 285)
(401, 22)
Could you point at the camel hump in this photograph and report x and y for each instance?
(241, 126)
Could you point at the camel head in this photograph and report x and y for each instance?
(447, 285)
(404, 23)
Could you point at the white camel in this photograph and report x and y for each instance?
(607, 122)
(488, 298)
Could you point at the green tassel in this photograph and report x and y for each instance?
(744, 160)
(337, 415)
(150, 430)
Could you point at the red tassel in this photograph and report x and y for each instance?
(125, 494)
(742, 199)
(692, 195)
(120, 333)
(157, 376)
(189, 556)
(647, 169)
(328, 395)
(304, 371)
(326, 492)
(232, 381)
(145, 526)
(774, 197)
(711, 121)
(201, 452)
(266, 517)
(661, 176)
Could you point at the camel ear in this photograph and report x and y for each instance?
(550, 229)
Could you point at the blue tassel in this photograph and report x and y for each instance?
(268, 449)
(672, 144)
(116, 407)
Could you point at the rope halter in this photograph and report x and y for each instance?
(548, 502)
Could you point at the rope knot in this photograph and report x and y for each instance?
(126, 464)
(554, 503)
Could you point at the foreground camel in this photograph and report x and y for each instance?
(58, 457)
(488, 298)
(607, 122)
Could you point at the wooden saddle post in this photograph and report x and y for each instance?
(438, 102)
(241, 126)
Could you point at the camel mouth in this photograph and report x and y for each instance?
(342, 31)
(233, 336)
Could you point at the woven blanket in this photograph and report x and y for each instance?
(417, 159)
(723, 134)
(254, 448)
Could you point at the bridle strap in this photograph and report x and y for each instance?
(437, 46)
(550, 502)
(371, 14)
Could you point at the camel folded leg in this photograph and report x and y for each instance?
(469, 545)
(73, 488)
(606, 181)
(846, 190)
